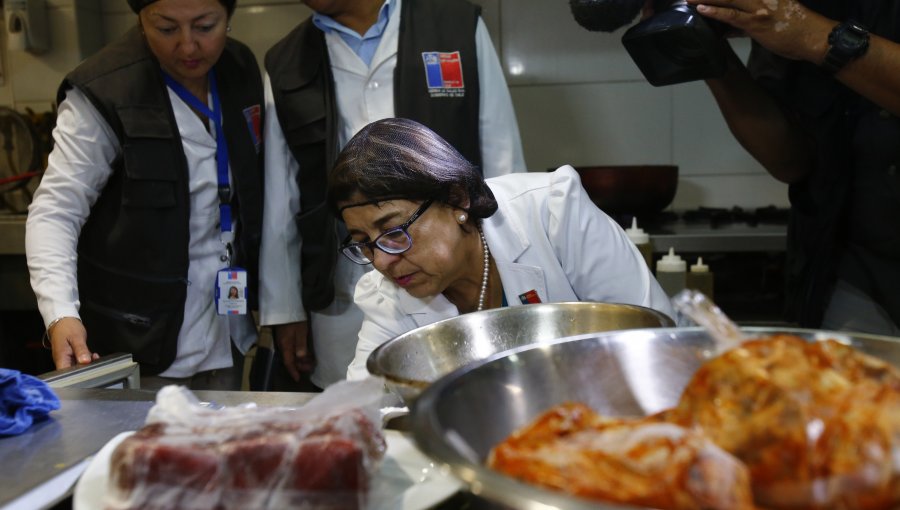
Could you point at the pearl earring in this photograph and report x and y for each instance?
(462, 218)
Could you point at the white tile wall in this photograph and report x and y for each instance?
(594, 123)
(543, 44)
(578, 96)
(35, 78)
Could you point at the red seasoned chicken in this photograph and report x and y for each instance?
(816, 423)
(646, 463)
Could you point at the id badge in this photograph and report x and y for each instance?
(231, 291)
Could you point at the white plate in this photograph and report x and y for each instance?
(406, 479)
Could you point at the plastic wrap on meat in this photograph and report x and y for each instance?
(816, 423)
(240, 458)
(646, 463)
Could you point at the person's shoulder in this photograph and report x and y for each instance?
(291, 42)
(518, 184)
(240, 50)
(451, 6)
(119, 55)
(373, 289)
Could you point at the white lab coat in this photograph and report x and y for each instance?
(547, 236)
(77, 171)
(364, 95)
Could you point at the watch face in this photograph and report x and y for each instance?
(849, 38)
(846, 41)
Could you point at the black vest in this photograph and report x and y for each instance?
(303, 89)
(133, 249)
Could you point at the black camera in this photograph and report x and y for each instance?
(674, 45)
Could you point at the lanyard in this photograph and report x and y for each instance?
(215, 115)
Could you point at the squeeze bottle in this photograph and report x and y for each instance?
(641, 239)
(701, 278)
(671, 273)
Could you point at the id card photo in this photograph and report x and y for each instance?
(231, 292)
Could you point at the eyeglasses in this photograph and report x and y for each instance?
(393, 241)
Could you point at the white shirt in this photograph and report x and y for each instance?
(546, 236)
(364, 94)
(77, 171)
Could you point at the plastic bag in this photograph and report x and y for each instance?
(318, 456)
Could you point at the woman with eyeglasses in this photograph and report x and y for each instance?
(444, 241)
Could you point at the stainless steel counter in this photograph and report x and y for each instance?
(736, 237)
(87, 420)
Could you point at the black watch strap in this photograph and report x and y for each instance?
(846, 42)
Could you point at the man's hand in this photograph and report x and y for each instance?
(68, 342)
(292, 342)
(784, 27)
(647, 10)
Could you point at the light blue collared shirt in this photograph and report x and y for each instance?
(364, 46)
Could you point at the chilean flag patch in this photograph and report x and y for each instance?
(443, 74)
(252, 116)
(530, 298)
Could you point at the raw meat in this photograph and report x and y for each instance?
(248, 458)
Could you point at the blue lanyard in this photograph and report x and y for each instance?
(215, 115)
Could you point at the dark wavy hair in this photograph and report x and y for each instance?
(137, 5)
(402, 159)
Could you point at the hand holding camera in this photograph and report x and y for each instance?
(678, 41)
(784, 27)
(673, 44)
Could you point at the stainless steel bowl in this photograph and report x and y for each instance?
(460, 417)
(412, 361)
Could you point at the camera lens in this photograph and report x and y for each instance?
(604, 15)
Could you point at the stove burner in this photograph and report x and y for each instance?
(773, 215)
(647, 221)
(714, 217)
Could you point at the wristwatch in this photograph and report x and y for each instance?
(847, 41)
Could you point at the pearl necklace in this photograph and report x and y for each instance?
(487, 271)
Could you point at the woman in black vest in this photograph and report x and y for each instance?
(152, 200)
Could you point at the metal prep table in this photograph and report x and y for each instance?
(40, 467)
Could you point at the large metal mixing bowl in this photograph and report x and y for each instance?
(459, 418)
(412, 361)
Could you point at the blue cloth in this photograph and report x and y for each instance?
(364, 46)
(24, 399)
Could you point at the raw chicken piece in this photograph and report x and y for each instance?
(646, 463)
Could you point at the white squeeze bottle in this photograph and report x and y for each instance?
(671, 273)
(701, 278)
(641, 239)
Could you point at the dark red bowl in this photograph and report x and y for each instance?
(632, 189)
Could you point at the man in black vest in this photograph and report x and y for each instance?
(819, 106)
(351, 63)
